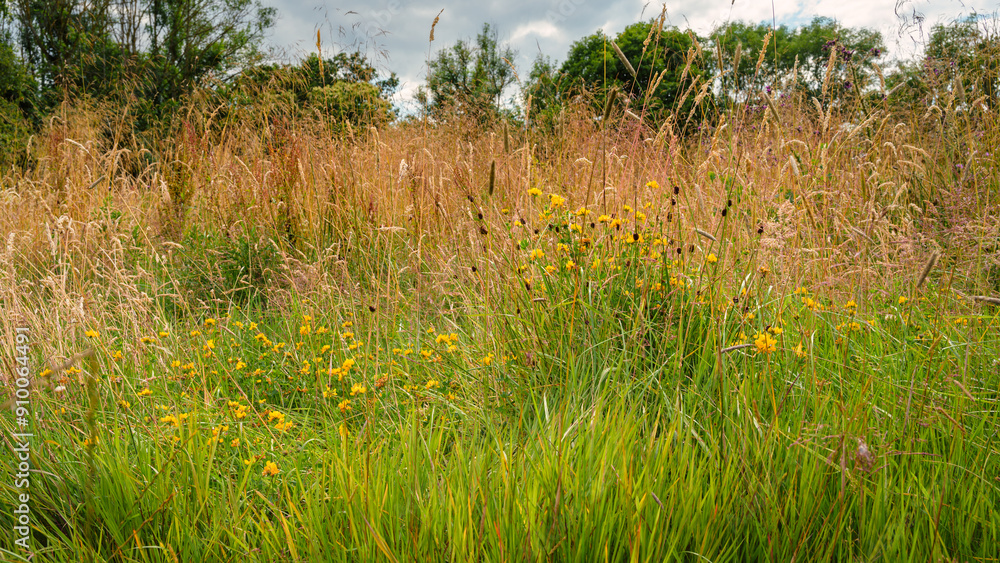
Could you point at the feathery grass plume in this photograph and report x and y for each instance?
(794, 165)
(696, 43)
(629, 113)
(621, 57)
(319, 53)
(770, 106)
(763, 50)
(656, 84)
(493, 176)
(706, 235)
(649, 37)
(433, 25)
(927, 268)
(506, 140)
(862, 234)
(700, 96)
(736, 57)
(512, 69)
(660, 21)
(95, 182)
(894, 89)
(612, 94)
(818, 106)
(881, 78)
(829, 70)
(959, 89)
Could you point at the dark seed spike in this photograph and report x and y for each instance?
(493, 171)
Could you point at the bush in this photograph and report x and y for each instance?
(18, 111)
(354, 102)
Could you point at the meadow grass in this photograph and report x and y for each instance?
(759, 341)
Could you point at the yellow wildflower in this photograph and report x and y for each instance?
(765, 343)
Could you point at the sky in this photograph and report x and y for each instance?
(394, 34)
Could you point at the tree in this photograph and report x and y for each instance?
(468, 78)
(663, 82)
(963, 52)
(345, 87)
(156, 50)
(734, 52)
(545, 91)
(806, 50)
(190, 39)
(18, 103)
(68, 45)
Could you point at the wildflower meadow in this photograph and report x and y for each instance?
(757, 330)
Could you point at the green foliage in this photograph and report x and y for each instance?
(71, 45)
(960, 62)
(345, 87)
(353, 102)
(152, 51)
(545, 92)
(807, 51)
(468, 79)
(217, 271)
(18, 106)
(663, 84)
(191, 38)
(964, 53)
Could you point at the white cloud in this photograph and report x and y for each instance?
(537, 28)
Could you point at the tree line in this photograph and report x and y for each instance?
(665, 72)
(153, 54)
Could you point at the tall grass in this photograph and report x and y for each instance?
(602, 341)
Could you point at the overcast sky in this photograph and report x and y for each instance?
(394, 33)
